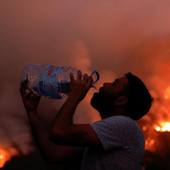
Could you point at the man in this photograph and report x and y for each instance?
(114, 143)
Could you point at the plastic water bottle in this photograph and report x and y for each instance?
(51, 81)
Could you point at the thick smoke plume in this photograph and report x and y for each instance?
(112, 37)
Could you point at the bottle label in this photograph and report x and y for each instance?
(48, 82)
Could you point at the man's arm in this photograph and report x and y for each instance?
(64, 131)
(51, 152)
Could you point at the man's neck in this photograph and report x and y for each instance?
(113, 112)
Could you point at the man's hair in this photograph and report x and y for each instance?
(139, 98)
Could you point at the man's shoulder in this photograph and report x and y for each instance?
(118, 131)
(117, 122)
(118, 118)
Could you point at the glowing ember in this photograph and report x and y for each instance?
(1, 156)
(164, 126)
(144, 128)
(152, 141)
(157, 128)
(6, 155)
(149, 143)
(166, 96)
(146, 142)
(168, 90)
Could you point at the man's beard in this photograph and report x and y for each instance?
(96, 101)
(103, 103)
(99, 102)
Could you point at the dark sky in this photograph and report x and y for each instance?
(110, 36)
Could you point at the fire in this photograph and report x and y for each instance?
(164, 126)
(1, 156)
(6, 155)
(149, 142)
(144, 128)
(166, 96)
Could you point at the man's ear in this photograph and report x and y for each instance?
(121, 100)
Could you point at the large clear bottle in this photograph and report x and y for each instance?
(52, 81)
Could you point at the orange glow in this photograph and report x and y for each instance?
(164, 126)
(166, 96)
(168, 90)
(144, 128)
(152, 141)
(6, 155)
(149, 142)
(158, 128)
(146, 142)
(1, 156)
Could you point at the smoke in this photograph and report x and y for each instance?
(155, 56)
(15, 138)
(112, 37)
(156, 68)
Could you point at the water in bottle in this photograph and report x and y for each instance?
(52, 81)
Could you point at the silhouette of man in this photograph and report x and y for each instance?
(114, 143)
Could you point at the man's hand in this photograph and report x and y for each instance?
(29, 99)
(79, 87)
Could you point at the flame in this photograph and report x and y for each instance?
(3, 158)
(166, 96)
(164, 127)
(144, 128)
(149, 143)
(6, 155)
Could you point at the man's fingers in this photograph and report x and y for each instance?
(85, 78)
(90, 81)
(79, 75)
(71, 77)
(28, 93)
(23, 86)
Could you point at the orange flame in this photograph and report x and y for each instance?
(164, 127)
(3, 158)
(167, 95)
(6, 155)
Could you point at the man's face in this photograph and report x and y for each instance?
(108, 94)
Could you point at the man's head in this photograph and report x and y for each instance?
(127, 93)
